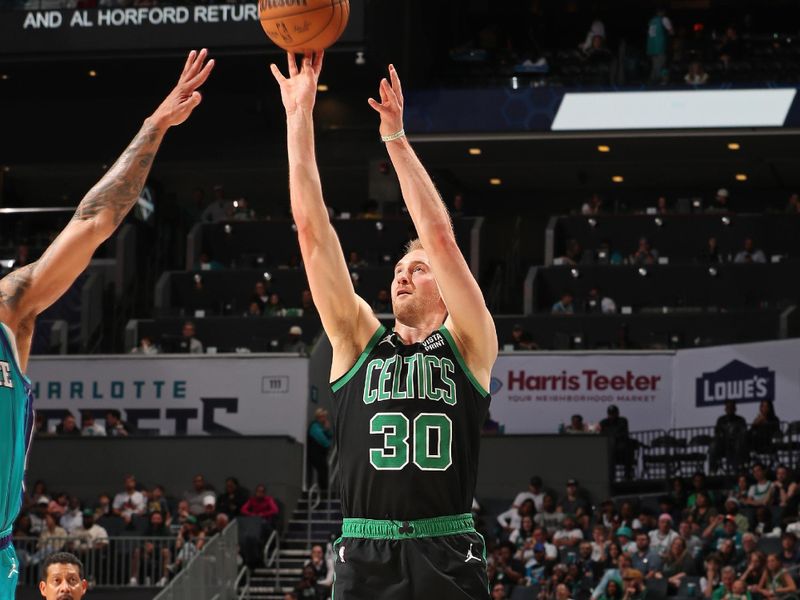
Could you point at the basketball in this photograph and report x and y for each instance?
(304, 25)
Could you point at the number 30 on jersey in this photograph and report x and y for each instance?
(430, 444)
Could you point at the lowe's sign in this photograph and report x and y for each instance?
(736, 381)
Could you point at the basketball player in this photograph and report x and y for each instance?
(29, 290)
(62, 577)
(409, 403)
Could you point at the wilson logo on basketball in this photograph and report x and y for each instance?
(268, 4)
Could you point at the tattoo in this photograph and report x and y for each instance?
(14, 285)
(119, 189)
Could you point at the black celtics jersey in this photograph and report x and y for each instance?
(407, 421)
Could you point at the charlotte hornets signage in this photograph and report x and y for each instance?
(735, 381)
(177, 395)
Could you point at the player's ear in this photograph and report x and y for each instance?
(42, 588)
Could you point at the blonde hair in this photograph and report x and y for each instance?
(414, 244)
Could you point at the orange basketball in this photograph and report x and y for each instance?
(304, 25)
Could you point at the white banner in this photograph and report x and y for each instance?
(242, 394)
(536, 393)
(746, 373)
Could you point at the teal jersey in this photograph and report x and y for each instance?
(16, 425)
(656, 37)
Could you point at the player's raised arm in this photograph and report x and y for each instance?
(26, 292)
(468, 317)
(347, 319)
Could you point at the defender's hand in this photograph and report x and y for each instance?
(299, 91)
(390, 108)
(182, 100)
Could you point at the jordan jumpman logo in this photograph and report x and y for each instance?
(13, 569)
(471, 556)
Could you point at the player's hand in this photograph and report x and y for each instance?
(182, 100)
(390, 108)
(299, 91)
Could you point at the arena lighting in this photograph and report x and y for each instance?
(267, 276)
(617, 178)
(741, 177)
(379, 225)
(658, 221)
(712, 271)
(322, 87)
(726, 221)
(495, 181)
(514, 83)
(354, 276)
(92, 73)
(235, 204)
(227, 229)
(4, 76)
(603, 148)
(592, 222)
(575, 273)
(642, 271)
(733, 146)
(198, 278)
(475, 151)
(360, 60)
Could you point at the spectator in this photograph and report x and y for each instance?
(615, 572)
(307, 303)
(658, 31)
(597, 303)
(596, 30)
(260, 295)
(572, 503)
(68, 426)
(750, 254)
(182, 516)
(458, 210)
(616, 427)
(725, 587)
(568, 536)
(606, 255)
(612, 590)
(793, 204)
(645, 560)
(196, 497)
(156, 528)
(508, 570)
(104, 506)
(308, 587)
(274, 306)
(115, 426)
(198, 301)
(593, 206)
(522, 536)
(627, 517)
(91, 427)
(254, 310)
(703, 513)
(601, 545)
(563, 306)
(38, 514)
(763, 523)
(129, 502)
(157, 503)
(261, 505)
(662, 537)
(711, 252)
(318, 443)
(678, 493)
(756, 568)
(190, 541)
(713, 574)
(699, 485)
(576, 425)
(775, 580)
(790, 555)
(540, 537)
(572, 255)
(730, 48)
(294, 340)
(382, 303)
(511, 519)
(72, 519)
(696, 75)
(189, 343)
(732, 510)
(761, 492)
(729, 439)
(549, 518)
(220, 209)
(219, 524)
(645, 254)
(678, 563)
(765, 428)
(535, 492)
(231, 502)
(91, 536)
(785, 488)
(207, 518)
(633, 582)
(608, 516)
(52, 538)
(721, 203)
(241, 211)
(146, 347)
(355, 262)
(323, 567)
(499, 592)
(662, 207)
(522, 339)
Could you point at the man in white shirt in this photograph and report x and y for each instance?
(72, 518)
(130, 501)
(569, 535)
(662, 537)
(534, 492)
(92, 536)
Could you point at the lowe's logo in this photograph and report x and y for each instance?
(735, 381)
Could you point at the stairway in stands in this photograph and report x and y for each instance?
(325, 517)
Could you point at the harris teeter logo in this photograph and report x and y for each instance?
(736, 381)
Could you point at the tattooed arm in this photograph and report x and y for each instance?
(28, 291)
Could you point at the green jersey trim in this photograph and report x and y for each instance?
(374, 529)
(339, 383)
(448, 336)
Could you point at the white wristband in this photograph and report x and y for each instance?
(394, 136)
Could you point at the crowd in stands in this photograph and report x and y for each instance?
(692, 541)
(52, 522)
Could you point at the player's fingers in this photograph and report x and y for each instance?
(398, 89)
(307, 64)
(195, 99)
(276, 72)
(292, 64)
(382, 90)
(318, 58)
(376, 105)
(201, 77)
(189, 61)
(390, 95)
(197, 64)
